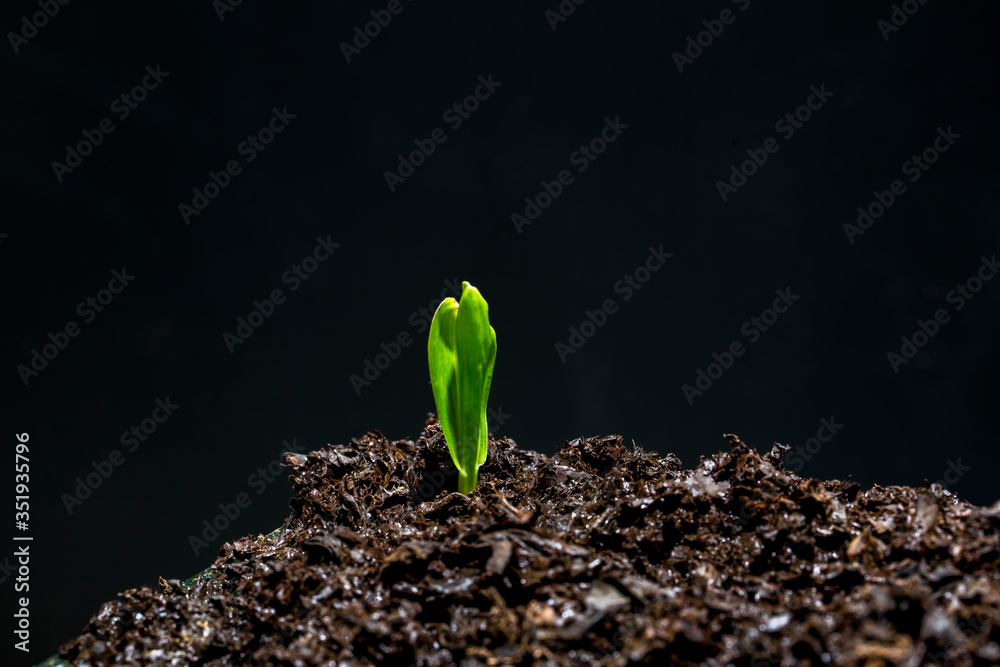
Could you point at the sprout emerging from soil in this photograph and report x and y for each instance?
(461, 350)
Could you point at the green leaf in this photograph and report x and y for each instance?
(461, 349)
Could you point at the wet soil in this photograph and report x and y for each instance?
(603, 554)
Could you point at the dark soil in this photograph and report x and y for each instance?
(600, 555)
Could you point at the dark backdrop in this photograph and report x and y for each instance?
(679, 127)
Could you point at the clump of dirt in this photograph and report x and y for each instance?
(602, 554)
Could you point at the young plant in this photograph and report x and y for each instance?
(461, 349)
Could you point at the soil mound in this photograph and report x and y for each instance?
(603, 554)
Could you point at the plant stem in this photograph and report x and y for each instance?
(467, 481)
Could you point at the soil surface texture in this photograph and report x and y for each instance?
(603, 554)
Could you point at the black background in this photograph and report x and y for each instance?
(323, 176)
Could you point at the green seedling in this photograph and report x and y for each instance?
(461, 350)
